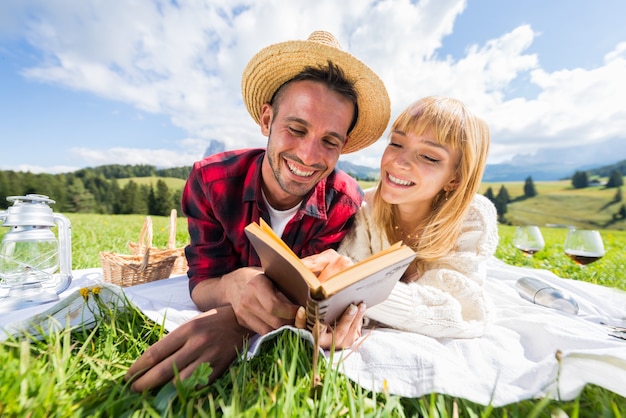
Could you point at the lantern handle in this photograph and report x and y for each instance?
(65, 252)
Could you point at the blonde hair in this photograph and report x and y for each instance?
(452, 125)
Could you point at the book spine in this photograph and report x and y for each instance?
(314, 312)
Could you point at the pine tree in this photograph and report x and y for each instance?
(503, 195)
(501, 203)
(489, 194)
(615, 180)
(529, 188)
(580, 180)
(160, 202)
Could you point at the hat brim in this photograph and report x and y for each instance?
(276, 64)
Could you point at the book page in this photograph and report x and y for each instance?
(372, 289)
(393, 255)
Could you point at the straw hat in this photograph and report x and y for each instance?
(276, 64)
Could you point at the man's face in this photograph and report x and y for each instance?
(305, 138)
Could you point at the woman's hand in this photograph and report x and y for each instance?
(345, 332)
(326, 264)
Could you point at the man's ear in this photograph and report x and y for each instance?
(267, 114)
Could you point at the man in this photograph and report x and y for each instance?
(314, 102)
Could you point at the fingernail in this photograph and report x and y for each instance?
(301, 313)
(362, 307)
(352, 309)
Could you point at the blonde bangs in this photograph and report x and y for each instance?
(442, 117)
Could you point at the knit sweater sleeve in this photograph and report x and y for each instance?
(448, 299)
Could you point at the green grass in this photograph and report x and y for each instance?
(80, 372)
(609, 271)
(558, 203)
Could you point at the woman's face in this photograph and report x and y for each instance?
(414, 169)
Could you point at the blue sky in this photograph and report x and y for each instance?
(90, 83)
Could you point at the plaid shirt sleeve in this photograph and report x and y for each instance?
(217, 213)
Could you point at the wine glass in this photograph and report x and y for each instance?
(584, 246)
(528, 239)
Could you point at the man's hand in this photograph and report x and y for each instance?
(253, 297)
(259, 306)
(213, 337)
(346, 331)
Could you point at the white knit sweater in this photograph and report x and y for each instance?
(448, 299)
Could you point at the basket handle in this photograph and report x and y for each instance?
(145, 237)
(145, 260)
(171, 238)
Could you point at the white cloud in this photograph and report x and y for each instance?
(185, 59)
(120, 155)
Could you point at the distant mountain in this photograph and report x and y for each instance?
(557, 163)
(359, 172)
(510, 172)
(214, 147)
(608, 169)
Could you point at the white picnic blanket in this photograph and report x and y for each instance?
(517, 357)
(514, 361)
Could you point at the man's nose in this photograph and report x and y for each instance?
(309, 150)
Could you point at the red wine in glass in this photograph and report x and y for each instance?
(528, 239)
(583, 259)
(584, 246)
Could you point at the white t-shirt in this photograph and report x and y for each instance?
(280, 218)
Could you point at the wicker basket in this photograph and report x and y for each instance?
(128, 270)
(180, 265)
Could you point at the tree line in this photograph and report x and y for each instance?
(97, 190)
(580, 180)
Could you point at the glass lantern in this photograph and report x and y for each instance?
(35, 265)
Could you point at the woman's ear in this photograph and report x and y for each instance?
(453, 184)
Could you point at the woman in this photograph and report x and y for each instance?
(427, 198)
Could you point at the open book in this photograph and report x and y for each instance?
(369, 281)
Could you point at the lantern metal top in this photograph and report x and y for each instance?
(31, 198)
(29, 210)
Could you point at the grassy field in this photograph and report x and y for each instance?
(80, 372)
(558, 203)
(171, 182)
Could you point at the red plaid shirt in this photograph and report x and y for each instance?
(223, 195)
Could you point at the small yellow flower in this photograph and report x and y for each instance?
(84, 292)
(96, 290)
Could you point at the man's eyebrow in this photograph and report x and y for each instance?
(301, 121)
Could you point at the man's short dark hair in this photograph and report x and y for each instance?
(332, 77)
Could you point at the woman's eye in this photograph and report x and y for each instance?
(395, 145)
(430, 159)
